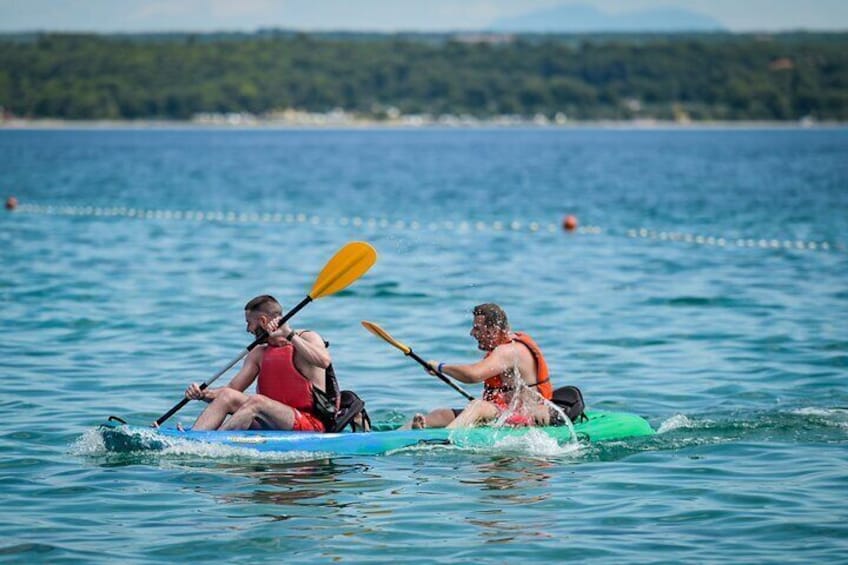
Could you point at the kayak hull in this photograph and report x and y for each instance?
(601, 426)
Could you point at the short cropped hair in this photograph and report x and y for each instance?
(493, 315)
(264, 304)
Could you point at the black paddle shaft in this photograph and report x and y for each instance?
(260, 339)
(440, 375)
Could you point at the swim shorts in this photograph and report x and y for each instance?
(306, 422)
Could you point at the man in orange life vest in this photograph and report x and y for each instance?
(509, 356)
(288, 368)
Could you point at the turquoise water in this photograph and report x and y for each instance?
(705, 291)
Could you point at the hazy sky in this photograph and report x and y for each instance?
(382, 15)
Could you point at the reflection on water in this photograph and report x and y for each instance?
(509, 481)
(294, 483)
(510, 474)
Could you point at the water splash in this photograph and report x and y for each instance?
(89, 444)
(535, 443)
(142, 445)
(676, 422)
(525, 398)
(538, 444)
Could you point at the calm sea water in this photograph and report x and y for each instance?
(706, 290)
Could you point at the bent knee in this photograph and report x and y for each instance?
(253, 404)
(485, 409)
(231, 397)
(478, 406)
(257, 401)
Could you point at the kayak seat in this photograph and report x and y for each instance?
(351, 412)
(570, 400)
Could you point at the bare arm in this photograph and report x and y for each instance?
(243, 379)
(309, 347)
(249, 370)
(501, 360)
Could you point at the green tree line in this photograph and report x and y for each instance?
(704, 77)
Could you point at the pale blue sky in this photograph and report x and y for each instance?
(382, 15)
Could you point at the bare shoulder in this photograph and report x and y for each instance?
(311, 336)
(507, 351)
(255, 355)
(512, 350)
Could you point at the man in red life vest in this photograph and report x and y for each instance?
(288, 368)
(512, 359)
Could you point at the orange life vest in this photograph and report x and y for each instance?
(494, 388)
(280, 380)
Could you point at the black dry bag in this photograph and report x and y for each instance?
(570, 400)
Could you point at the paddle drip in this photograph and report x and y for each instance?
(525, 399)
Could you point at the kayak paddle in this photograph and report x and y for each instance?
(380, 332)
(347, 265)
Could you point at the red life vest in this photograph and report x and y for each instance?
(494, 388)
(280, 380)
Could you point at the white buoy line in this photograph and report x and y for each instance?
(462, 226)
(712, 241)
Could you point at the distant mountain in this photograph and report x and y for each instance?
(585, 18)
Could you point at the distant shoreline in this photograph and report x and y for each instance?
(259, 124)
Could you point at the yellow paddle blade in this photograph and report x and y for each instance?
(380, 332)
(348, 264)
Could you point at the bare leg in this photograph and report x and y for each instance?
(476, 411)
(276, 414)
(438, 418)
(228, 401)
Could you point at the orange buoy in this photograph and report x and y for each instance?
(11, 203)
(569, 223)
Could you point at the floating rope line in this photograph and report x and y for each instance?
(445, 225)
(712, 241)
(233, 217)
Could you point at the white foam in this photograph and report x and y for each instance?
(676, 422)
(833, 416)
(89, 444)
(187, 448)
(425, 447)
(536, 443)
(813, 411)
(176, 447)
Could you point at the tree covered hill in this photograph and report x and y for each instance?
(174, 76)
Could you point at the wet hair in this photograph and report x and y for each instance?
(264, 304)
(493, 315)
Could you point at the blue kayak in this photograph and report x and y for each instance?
(600, 426)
